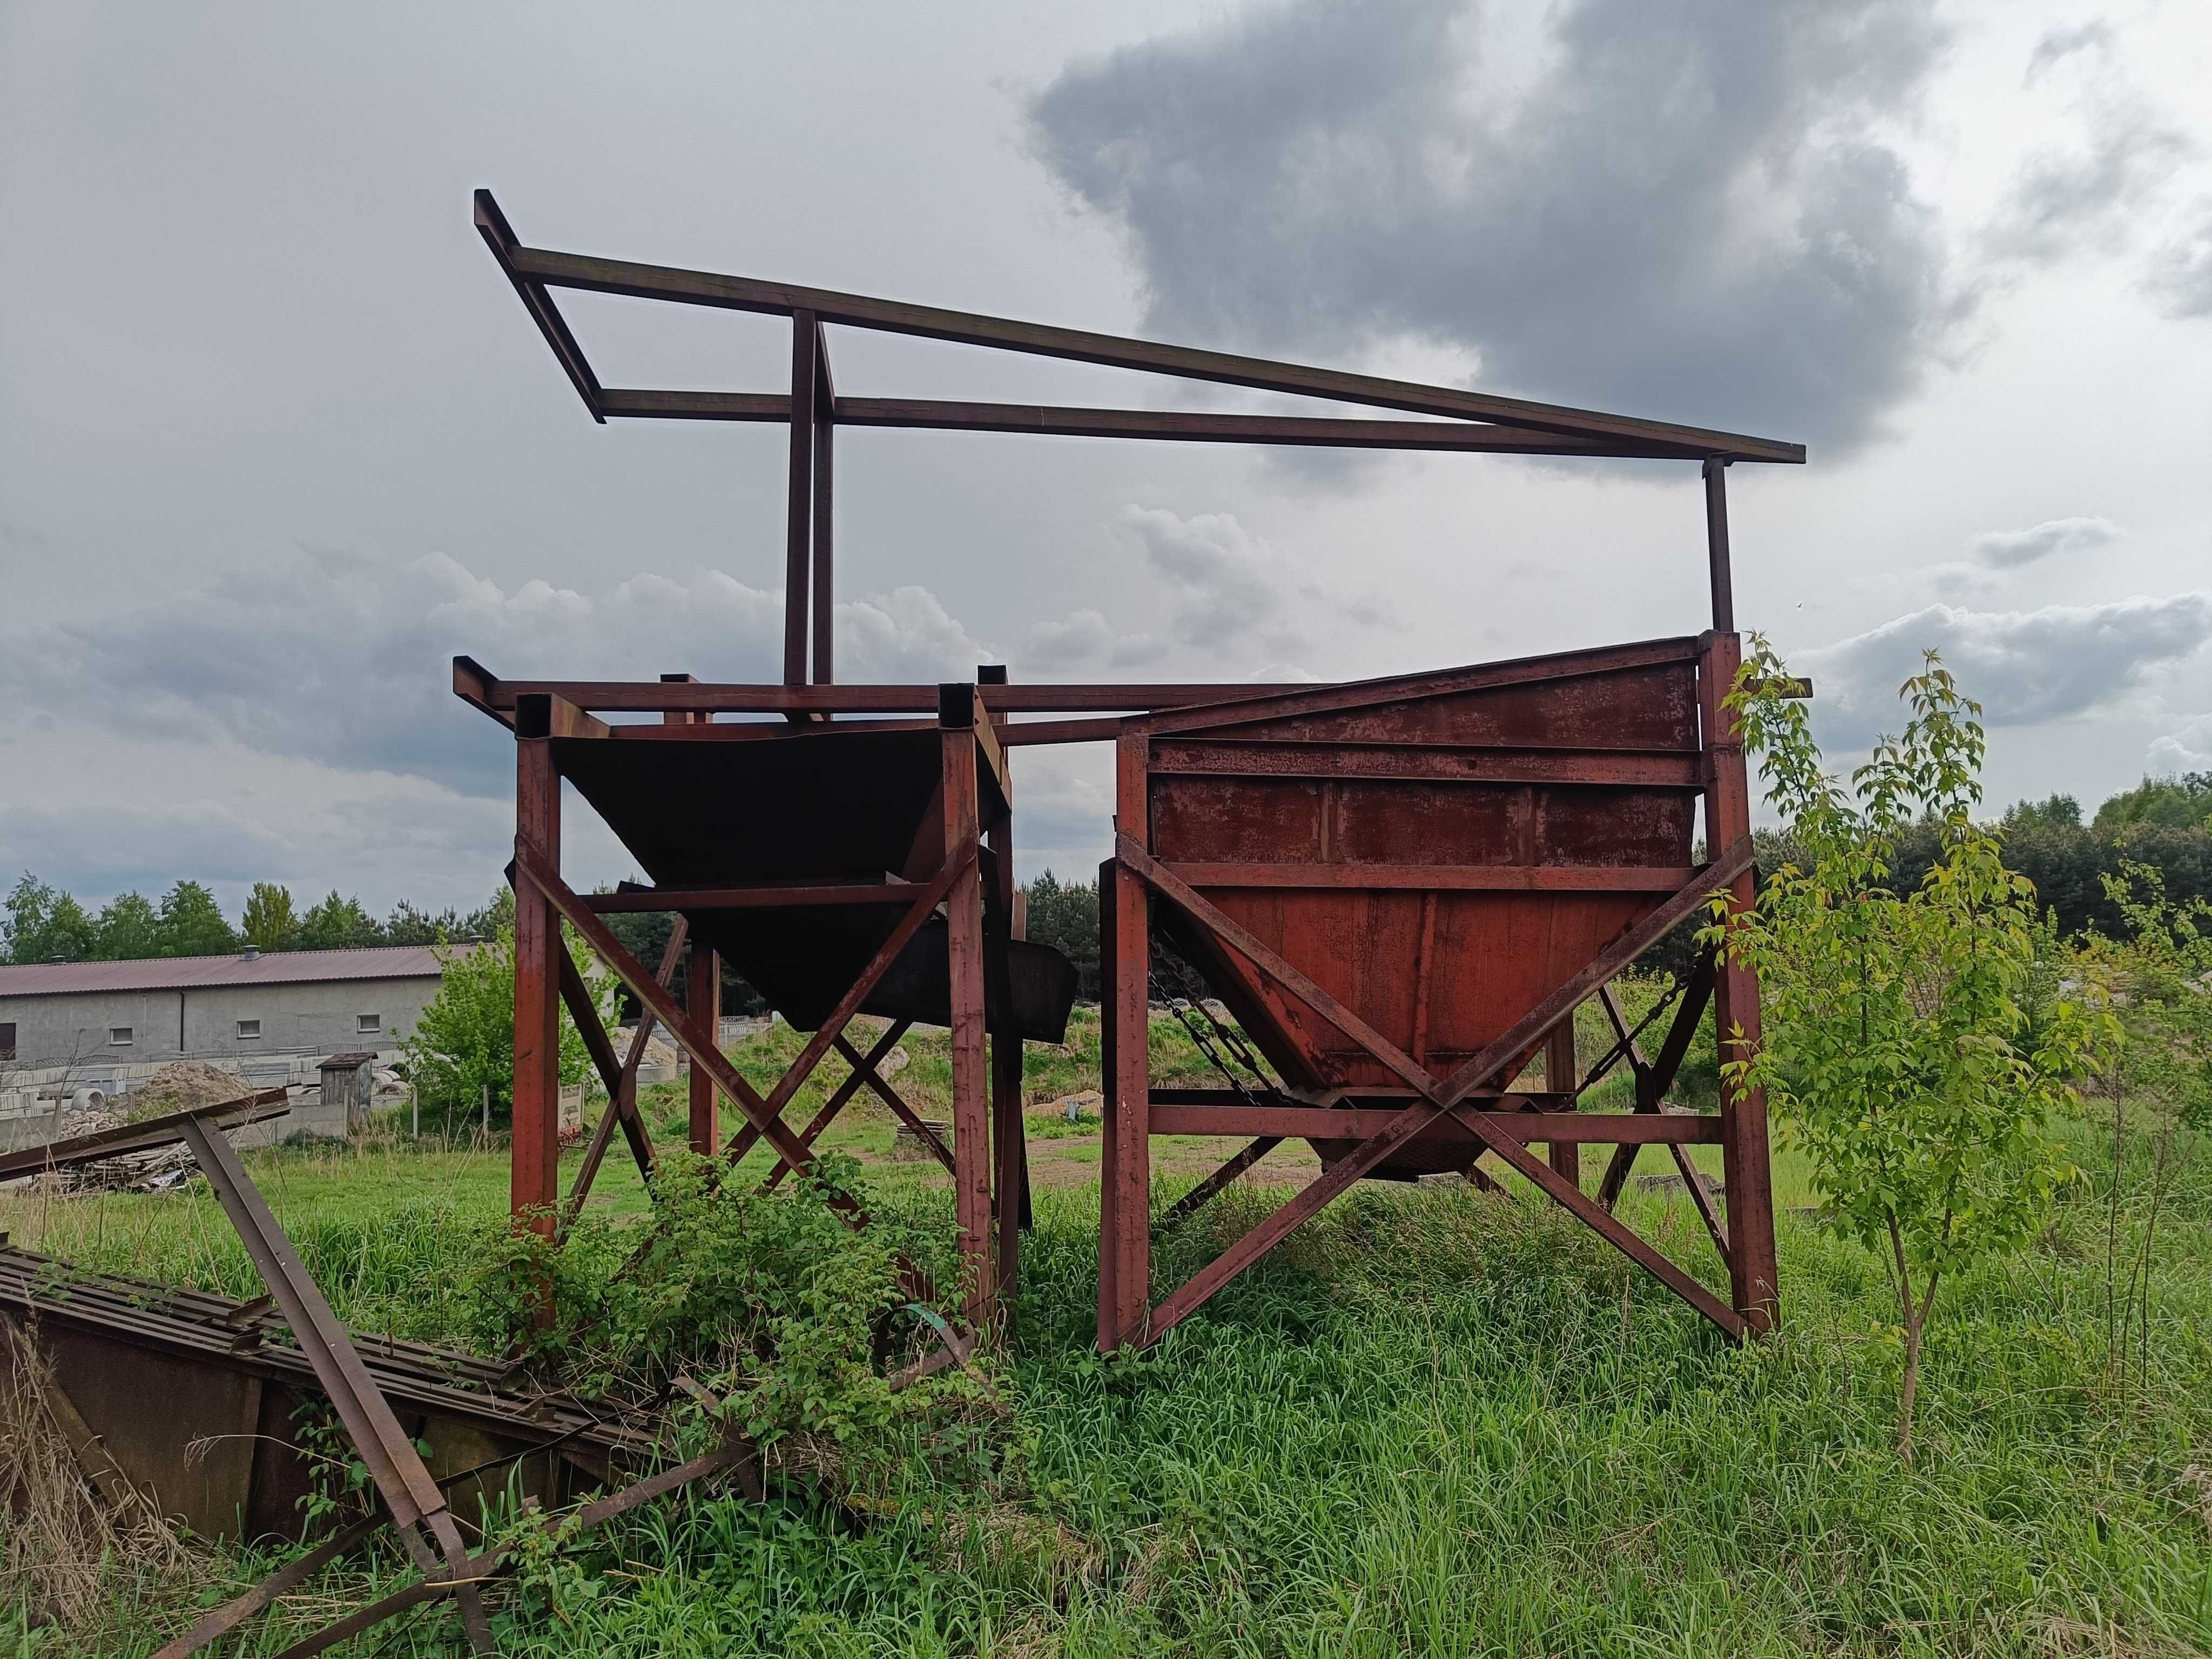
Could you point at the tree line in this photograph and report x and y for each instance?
(42, 923)
(2163, 824)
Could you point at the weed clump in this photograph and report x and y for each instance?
(759, 1313)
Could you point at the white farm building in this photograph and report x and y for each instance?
(258, 1015)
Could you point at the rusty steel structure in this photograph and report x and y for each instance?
(1402, 889)
(187, 1401)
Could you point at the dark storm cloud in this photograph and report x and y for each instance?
(1689, 211)
(346, 662)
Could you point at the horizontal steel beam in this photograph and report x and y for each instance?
(475, 684)
(1357, 1123)
(753, 898)
(1233, 756)
(1172, 426)
(1440, 878)
(542, 266)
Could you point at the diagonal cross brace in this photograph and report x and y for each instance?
(924, 906)
(1648, 1088)
(622, 1096)
(1437, 1096)
(843, 1093)
(699, 1045)
(899, 1108)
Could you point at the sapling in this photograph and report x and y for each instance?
(2161, 976)
(1898, 1050)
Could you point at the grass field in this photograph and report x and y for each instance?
(1436, 1422)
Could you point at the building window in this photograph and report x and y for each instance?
(367, 1024)
(118, 1036)
(248, 1030)
(7, 1039)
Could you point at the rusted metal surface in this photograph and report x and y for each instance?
(410, 1494)
(533, 271)
(1406, 888)
(1400, 888)
(197, 1397)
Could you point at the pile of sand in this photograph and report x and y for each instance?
(183, 1086)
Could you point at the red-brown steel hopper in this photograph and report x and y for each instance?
(1402, 889)
(1437, 862)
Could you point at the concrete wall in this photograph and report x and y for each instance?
(73, 1028)
(309, 1119)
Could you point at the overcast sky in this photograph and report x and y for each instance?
(277, 438)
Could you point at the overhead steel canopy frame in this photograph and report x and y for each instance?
(1389, 1123)
(1456, 419)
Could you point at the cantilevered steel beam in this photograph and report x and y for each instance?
(545, 268)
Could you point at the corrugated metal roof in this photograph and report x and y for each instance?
(46, 978)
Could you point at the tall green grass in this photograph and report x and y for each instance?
(1436, 1423)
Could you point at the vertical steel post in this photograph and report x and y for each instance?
(1560, 1072)
(533, 1187)
(1752, 1276)
(1009, 1153)
(825, 427)
(963, 914)
(799, 523)
(1716, 545)
(1125, 1243)
(704, 1001)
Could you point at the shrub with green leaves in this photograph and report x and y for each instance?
(1900, 1048)
(464, 1043)
(794, 1319)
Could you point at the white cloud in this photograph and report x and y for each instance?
(2009, 549)
(2186, 750)
(2090, 189)
(2022, 666)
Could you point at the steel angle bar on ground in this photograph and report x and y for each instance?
(221, 1114)
(408, 1490)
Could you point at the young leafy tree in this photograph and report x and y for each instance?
(269, 922)
(2161, 977)
(193, 924)
(2175, 803)
(46, 925)
(130, 929)
(338, 924)
(465, 1039)
(1899, 1053)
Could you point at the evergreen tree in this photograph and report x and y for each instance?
(191, 923)
(1065, 915)
(338, 924)
(409, 926)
